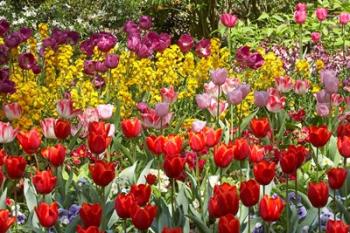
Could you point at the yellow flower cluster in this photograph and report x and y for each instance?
(303, 68)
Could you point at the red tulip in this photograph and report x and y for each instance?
(343, 130)
(62, 128)
(271, 208)
(55, 154)
(317, 193)
(223, 155)
(257, 153)
(336, 177)
(228, 224)
(102, 172)
(44, 182)
(124, 204)
(151, 179)
(30, 141)
(211, 136)
(260, 127)
(15, 166)
(336, 226)
(131, 127)
(288, 162)
(155, 144)
(264, 172)
(196, 141)
(142, 217)
(241, 149)
(172, 145)
(91, 214)
(224, 201)
(319, 135)
(90, 229)
(343, 145)
(47, 214)
(98, 138)
(174, 166)
(6, 221)
(141, 192)
(172, 230)
(300, 152)
(249, 192)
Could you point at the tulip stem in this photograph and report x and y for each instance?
(263, 190)
(37, 162)
(125, 226)
(249, 208)
(231, 125)
(218, 107)
(335, 204)
(159, 167)
(15, 199)
(287, 207)
(319, 220)
(296, 185)
(173, 198)
(240, 171)
(317, 165)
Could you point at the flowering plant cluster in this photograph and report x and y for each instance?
(102, 136)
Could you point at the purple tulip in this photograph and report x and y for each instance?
(26, 61)
(142, 107)
(235, 97)
(330, 80)
(162, 109)
(89, 67)
(163, 42)
(219, 76)
(245, 89)
(261, 98)
(6, 85)
(185, 43)
(203, 100)
(144, 51)
(73, 37)
(112, 60)
(203, 48)
(130, 27)
(36, 69)
(98, 82)
(4, 54)
(87, 47)
(145, 22)
(322, 96)
(25, 33)
(12, 40)
(4, 27)
(322, 110)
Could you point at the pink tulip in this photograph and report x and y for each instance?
(145, 22)
(168, 94)
(47, 126)
(347, 101)
(300, 17)
(228, 20)
(214, 105)
(7, 133)
(203, 100)
(150, 119)
(284, 84)
(211, 89)
(344, 18)
(315, 37)
(105, 111)
(322, 109)
(91, 115)
(336, 99)
(321, 14)
(203, 48)
(198, 125)
(65, 108)
(12, 111)
(275, 103)
(229, 85)
(301, 87)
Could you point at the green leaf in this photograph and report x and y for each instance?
(247, 120)
(263, 16)
(128, 174)
(144, 172)
(203, 228)
(29, 195)
(3, 199)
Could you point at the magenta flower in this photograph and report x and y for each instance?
(344, 18)
(203, 48)
(106, 41)
(228, 20)
(336, 99)
(185, 43)
(4, 27)
(89, 67)
(134, 42)
(145, 22)
(168, 94)
(12, 40)
(131, 28)
(300, 7)
(101, 67)
(315, 37)
(164, 42)
(321, 14)
(4, 54)
(245, 58)
(300, 16)
(112, 60)
(25, 33)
